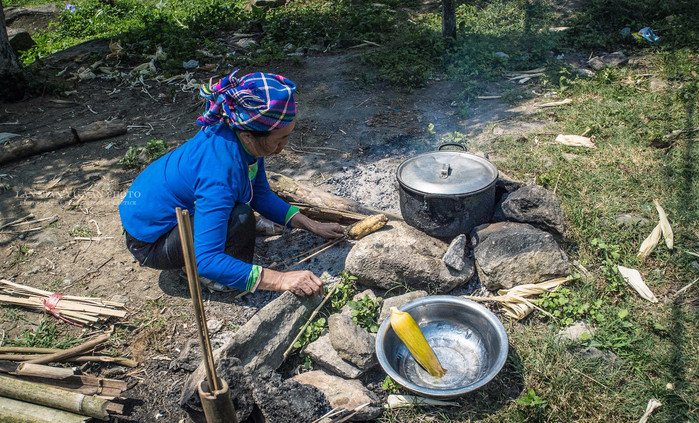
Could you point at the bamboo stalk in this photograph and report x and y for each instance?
(312, 316)
(40, 370)
(20, 411)
(71, 352)
(49, 396)
(27, 350)
(30, 358)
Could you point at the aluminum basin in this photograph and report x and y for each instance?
(469, 341)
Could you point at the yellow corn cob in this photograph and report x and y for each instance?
(366, 226)
(409, 332)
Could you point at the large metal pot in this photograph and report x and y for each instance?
(446, 193)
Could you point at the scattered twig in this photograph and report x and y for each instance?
(92, 238)
(94, 271)
(29, 216)
(488, 97)
(592, 379)
(90, 109)
(686, 287)
(316, 253)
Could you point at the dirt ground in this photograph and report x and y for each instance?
(348, 141)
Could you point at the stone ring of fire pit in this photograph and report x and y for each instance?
(469, 341)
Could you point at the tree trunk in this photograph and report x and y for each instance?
(449, 18)
(11, 73)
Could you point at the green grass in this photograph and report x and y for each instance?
(634, 163)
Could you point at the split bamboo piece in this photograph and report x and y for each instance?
(410, 333)
(49, 396)
(25, 412)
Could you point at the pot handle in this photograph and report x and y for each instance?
(451, 144)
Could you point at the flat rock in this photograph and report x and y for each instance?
(403, 255)
(611, 60)
(351, 342)
(343, 394)
(509, 254)
(575, 333)
(455, 257)
(322, 353)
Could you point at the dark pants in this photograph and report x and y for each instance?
(166, 252)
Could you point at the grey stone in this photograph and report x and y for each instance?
(351, 342)
(595, 354)
(612, 60)
(404, 255)
(262, 340)
(537, 206)
(509, 254)
(585, 73)
(398, 301)
(455, 257)
(20, 40)
(214, 325)
(575, 332)
(190, 64)
(322, 353)
(342, 393)
(631, 220)
(501, 55)
(189, 358)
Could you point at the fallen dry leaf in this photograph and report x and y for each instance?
(575, 141)
(652, 405)
(634, 279)
(650, 243)
(665, 225)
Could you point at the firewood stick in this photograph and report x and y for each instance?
(316, 253)
(27, 350)
(71, 352)
(310, 250)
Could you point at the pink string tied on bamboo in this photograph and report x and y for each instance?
(50, 306)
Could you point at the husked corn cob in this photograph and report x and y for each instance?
(409, 332)
(366, 226)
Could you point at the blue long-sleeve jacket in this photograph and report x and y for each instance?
(207, 175)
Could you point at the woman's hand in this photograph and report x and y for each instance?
(328, 231)
(300, 282)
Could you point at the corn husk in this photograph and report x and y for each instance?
(403, 401)
(650, 243)
(514, 302)
(652, 405)
(634, 279)
(664, 225)
(410, 333)
(575, 141)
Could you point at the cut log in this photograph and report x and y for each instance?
(20, 411)
(49, 396)
(294, 192)
(15, 150)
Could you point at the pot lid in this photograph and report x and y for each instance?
(446, 173)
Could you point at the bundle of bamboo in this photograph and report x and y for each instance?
(72, 309)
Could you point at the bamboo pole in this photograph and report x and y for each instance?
(44, 358)
(19, 411)
(312, 316)
(71, 352)
(49, 396)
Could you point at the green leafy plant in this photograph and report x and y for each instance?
(365, 313)
(390, 386)
(531, 399)
(610, 255)
(343, 292)
(568, 307)
(81, 231)
(312, 332)
(46, 335)
(136, 157)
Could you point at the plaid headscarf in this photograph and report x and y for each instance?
(255, 102)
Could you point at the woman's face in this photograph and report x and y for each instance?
(272, 143)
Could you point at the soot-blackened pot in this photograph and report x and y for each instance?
(446, 193)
